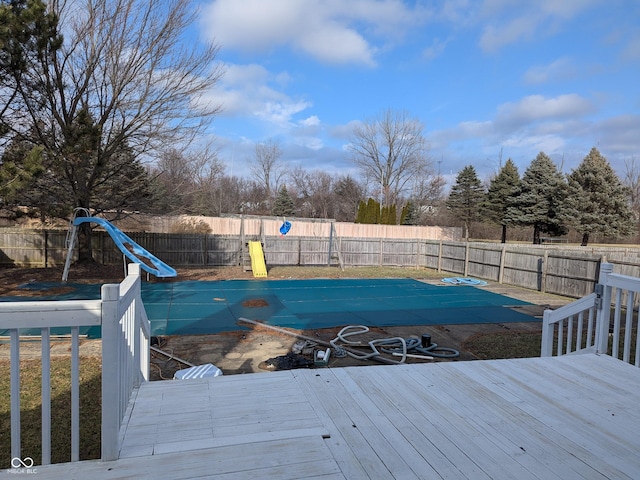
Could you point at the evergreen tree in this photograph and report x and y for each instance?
(373, 212)
(539, 199)
(465, 197)
(501, 189)
(362, 212)
(409, 215)
(384, 215)
(28, 35)
(100, 99)
(392, 218)
(388, 215)
(597, 200)
(284, 205)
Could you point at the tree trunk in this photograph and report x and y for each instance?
(536, 235)
(85, 252)
(585, 239)
(503, 239)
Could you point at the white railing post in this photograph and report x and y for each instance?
(604, 309)
(547, 334)
(15, 393)
(110, 371)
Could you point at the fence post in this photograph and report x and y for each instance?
(440, 256)
(466, 259)
(503, 254)
(45, 252)
(110, 372)
(603, 314)
(205, 250)
(543, 273)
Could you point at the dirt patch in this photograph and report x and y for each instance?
(255, 303)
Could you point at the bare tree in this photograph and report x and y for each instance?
(267, 168)
(207, 178)
(314, 191)
(188, 182)
(347, 194)
(123, 80)
(390, 151)
(632, 182)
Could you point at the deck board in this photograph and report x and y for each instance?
(530, 419)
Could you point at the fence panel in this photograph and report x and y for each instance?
(485, 262)
(400, 253)
(361, 252)
(222, 250)
(452, 257)
(574, 275)
(523, 268)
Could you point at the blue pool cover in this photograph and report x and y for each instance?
(209, 307)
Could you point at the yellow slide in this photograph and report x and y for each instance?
(257, 259)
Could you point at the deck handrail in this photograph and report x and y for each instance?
(125, 357)
(613, 291)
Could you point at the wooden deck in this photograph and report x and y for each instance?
(540, 418)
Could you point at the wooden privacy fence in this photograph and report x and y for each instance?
(562, 270)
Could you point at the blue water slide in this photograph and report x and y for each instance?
(134, 252)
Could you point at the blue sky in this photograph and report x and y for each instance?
(489, 79)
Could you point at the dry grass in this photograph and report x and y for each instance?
(490, 346)
(504, 345)
(352, 272)
(31, 413)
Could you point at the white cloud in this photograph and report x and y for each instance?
(247, 90)
(493, 38)
(560, 69)
(536, 107)
(436, 49)
(531, 143)
(619, 134)
(280, 113)
(631, 51)
(512, 21)
(331, 31)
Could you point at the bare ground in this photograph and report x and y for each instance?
(255, 348)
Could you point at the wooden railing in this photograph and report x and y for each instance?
(125, 357)
(605, 321)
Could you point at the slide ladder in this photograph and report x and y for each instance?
(258, 265)
(134, 252)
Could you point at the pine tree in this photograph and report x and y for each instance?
(597, 200)
(409, 215)
(501, 189)
(283, 205)
(465, 197)
(539, 199)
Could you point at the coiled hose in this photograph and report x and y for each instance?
(397, 346)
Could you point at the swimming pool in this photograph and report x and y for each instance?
(209, 307)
